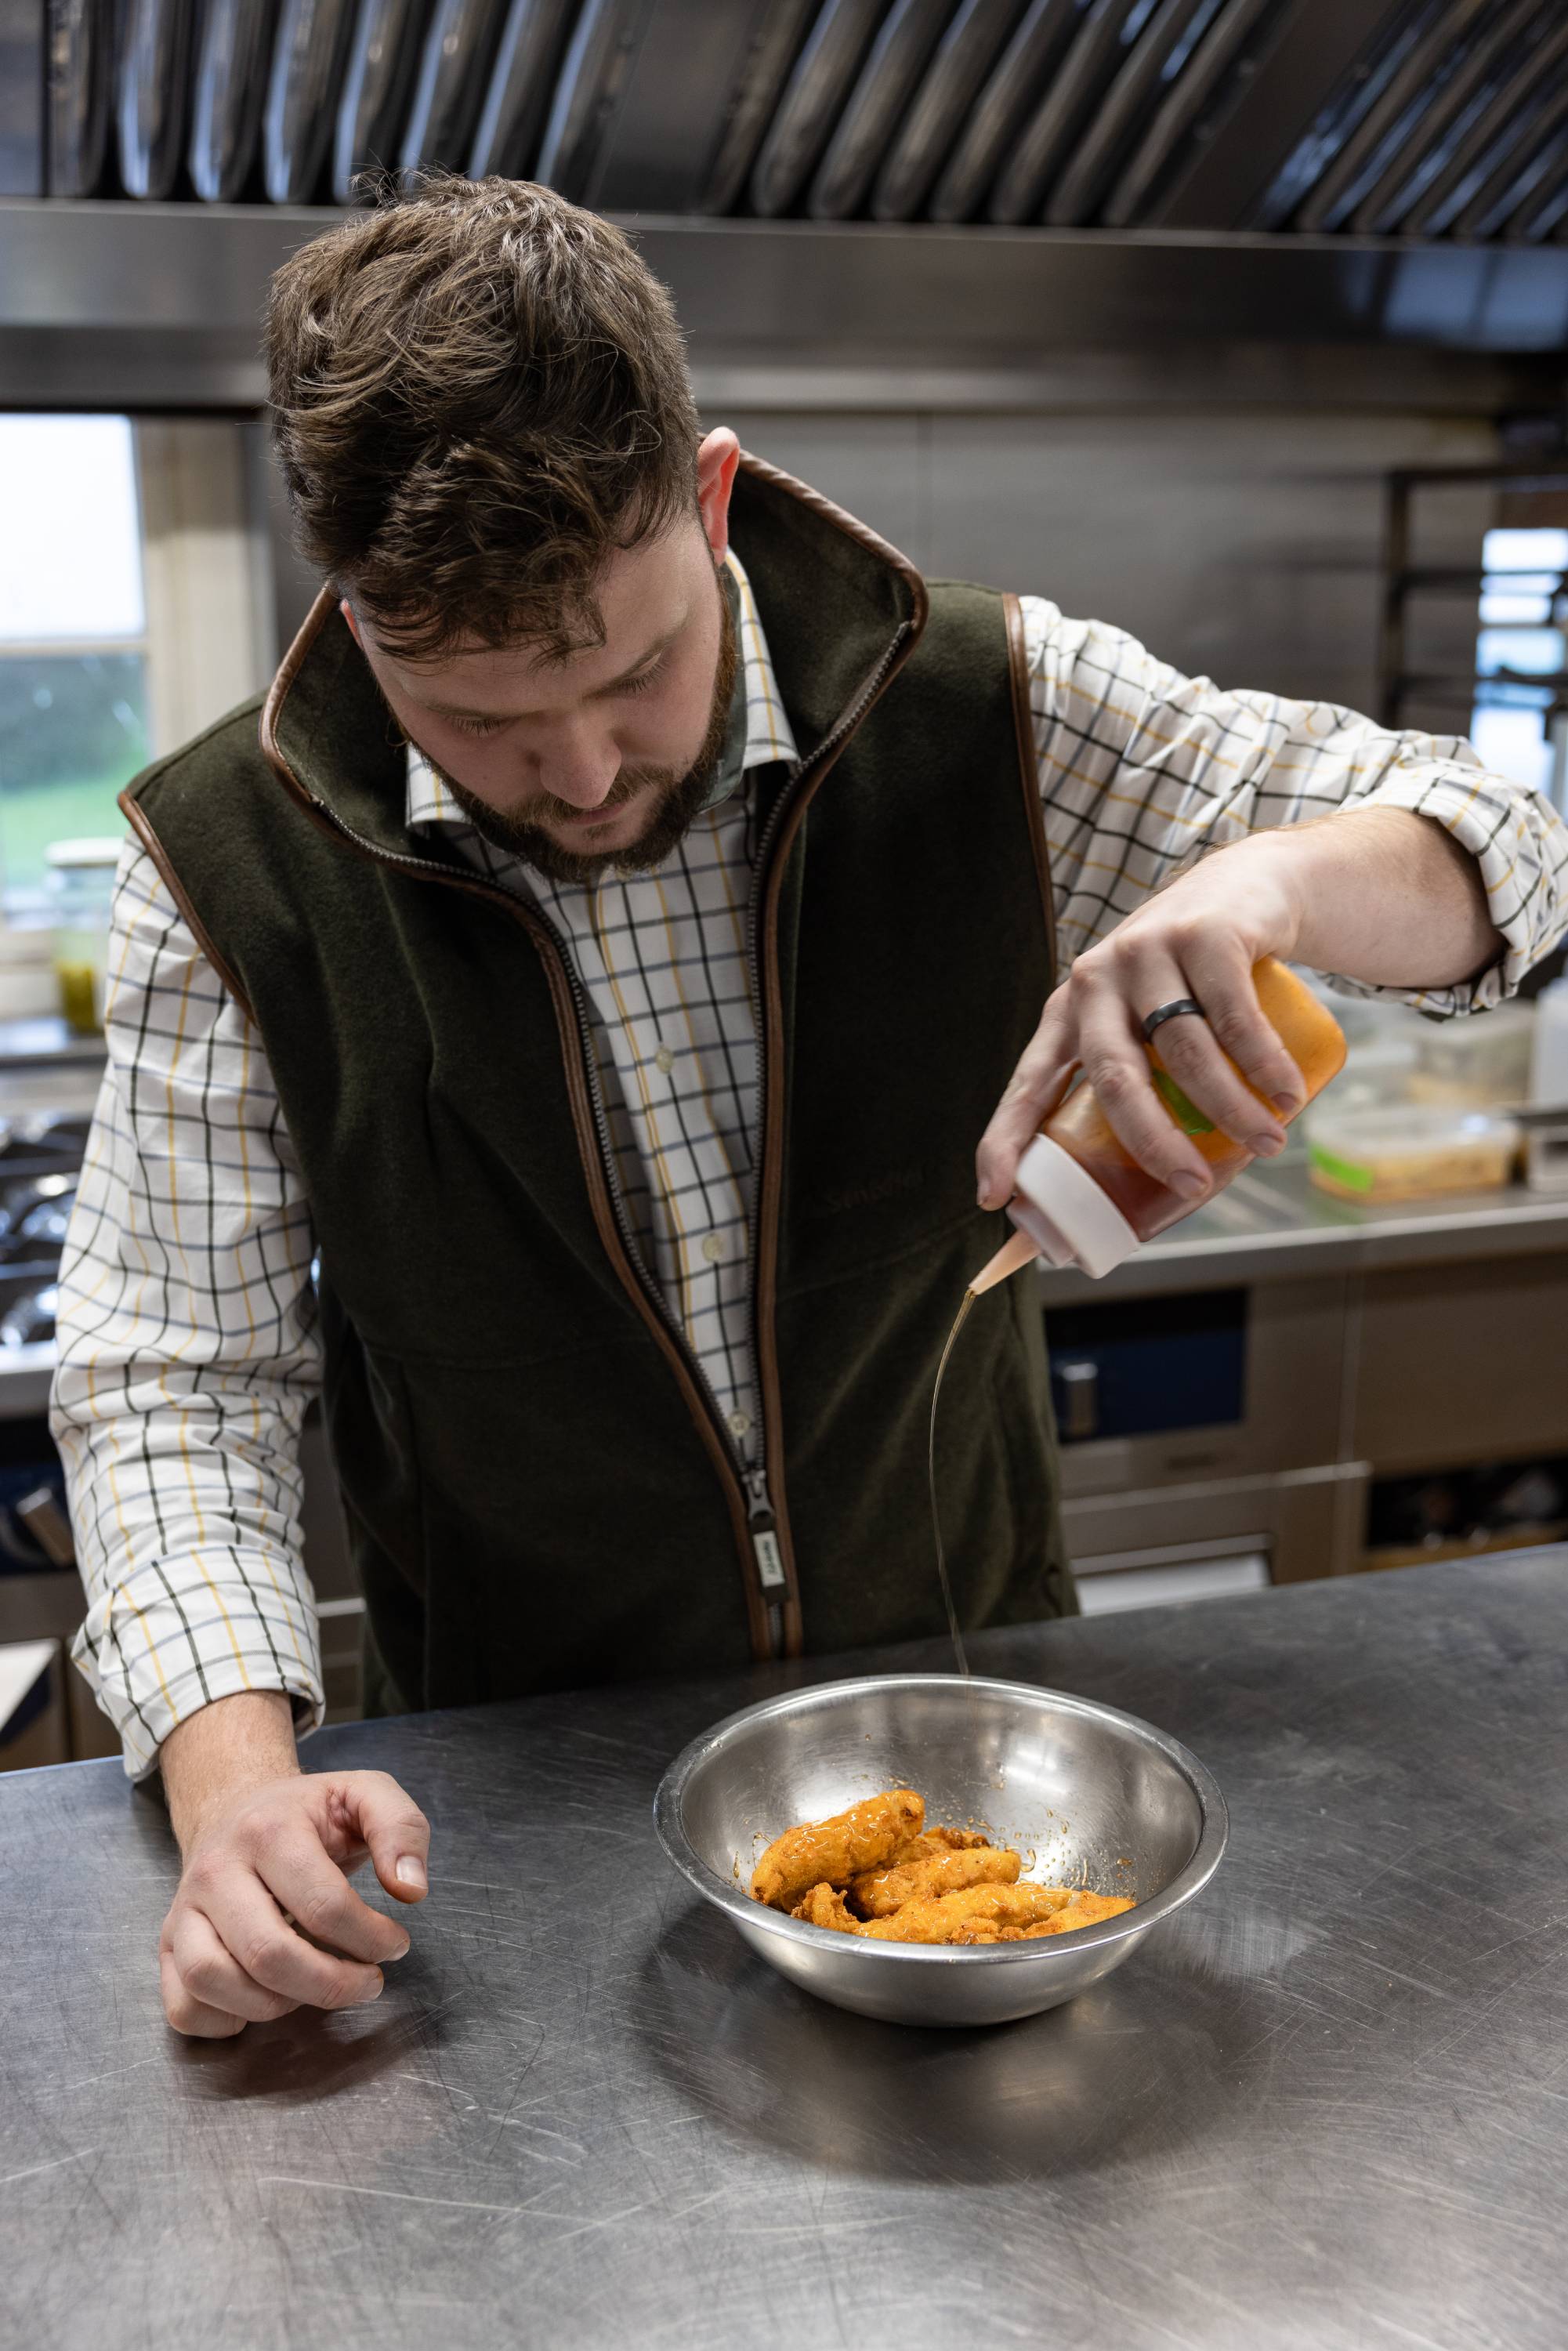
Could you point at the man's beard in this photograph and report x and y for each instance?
(681, 795)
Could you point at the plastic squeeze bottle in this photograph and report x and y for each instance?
(1081, 1198)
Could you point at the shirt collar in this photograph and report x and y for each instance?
(769, 737)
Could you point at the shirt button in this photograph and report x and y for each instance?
(740, 1422)
(664, 1060)
(713, 1249)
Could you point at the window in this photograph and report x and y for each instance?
(1519, 726)
(134, 609)
(73, 646)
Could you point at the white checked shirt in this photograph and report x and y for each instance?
(188, 1345)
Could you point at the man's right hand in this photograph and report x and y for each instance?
(266, 1849)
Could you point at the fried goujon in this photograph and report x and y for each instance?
(832, 1852)
(824, 1906)
(940, 1916)
(931, 1841)
(1083, 1909)
(879, 1893)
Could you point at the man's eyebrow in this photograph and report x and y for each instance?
(651, 652)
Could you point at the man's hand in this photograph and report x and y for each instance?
(1377, 894)
(266, 1849)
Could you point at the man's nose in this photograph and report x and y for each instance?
(580, 767)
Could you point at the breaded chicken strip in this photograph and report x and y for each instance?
(926, 1846)
(866, 1837)
(940, 1918)
(824, 1906)
(1082, 1910)
(879, 1892)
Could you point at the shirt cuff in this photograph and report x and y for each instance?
(178, 1633)
(1493, 822)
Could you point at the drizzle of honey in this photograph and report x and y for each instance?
(1011, 1257)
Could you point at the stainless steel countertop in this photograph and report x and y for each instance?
(1323, 2110)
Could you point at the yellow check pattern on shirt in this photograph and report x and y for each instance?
(188, 1344)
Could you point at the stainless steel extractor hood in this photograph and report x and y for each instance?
(902, 183)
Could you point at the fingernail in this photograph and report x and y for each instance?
(411, 1873)
(378, 1986)
(407, 1946)
(1191, 1187)
(1267, 1146)
(1286, 1104)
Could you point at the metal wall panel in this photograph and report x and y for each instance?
(780, 28)
(1104, 41)
(813, 98)
(233, 58)
(899, 57)
(81, 88)
(384, 50)
(643, 89)
(521, 85)
(1489, 136)
(1024, 69)
(965, 56)
(153, 94)
(449, 90)
(1156, 57)
(22, 97)
(1305, 48)
(308, 57)
(1191, 109)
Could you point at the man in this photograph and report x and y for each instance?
(604, 950)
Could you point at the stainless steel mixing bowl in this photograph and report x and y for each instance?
(1086, 1793)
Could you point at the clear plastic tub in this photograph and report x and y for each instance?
(1476, 1061)
(1408, 1151)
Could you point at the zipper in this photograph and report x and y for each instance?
(761, 1521)
(771, 1572)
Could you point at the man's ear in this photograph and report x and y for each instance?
(718, 458)
(347, 609)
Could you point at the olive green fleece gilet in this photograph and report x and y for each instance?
(533, 1498)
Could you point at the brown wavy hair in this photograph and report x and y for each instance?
(478, 391)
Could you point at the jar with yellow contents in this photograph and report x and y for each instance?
(82, 892)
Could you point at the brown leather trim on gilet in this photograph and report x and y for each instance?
(140, 824)
(1028, 770)
(770, 1174)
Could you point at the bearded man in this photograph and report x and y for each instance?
(557, 1023)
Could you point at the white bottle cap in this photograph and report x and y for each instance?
(1065, 1213)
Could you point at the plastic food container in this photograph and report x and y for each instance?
(1476, 1061)
(1408, 1151)
(81, 888)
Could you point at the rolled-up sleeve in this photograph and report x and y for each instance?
(187, 1349)
(1141, 770)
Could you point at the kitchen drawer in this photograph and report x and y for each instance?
(1462, 1363)
(1306, 1522)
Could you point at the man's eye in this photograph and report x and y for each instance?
(644, 679)
(478, 725)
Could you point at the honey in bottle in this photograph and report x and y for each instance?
(1081, 1200)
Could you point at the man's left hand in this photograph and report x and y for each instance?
(1199, 938)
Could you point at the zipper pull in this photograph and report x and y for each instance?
(764, 1533)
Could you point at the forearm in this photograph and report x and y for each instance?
(224, 1753)
(1378, 895)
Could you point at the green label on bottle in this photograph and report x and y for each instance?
(1187, 1116)
(1338, 1170)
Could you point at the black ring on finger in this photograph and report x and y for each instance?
(1177, 1008)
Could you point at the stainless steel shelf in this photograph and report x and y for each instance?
(134, 305)
(1272, 1224)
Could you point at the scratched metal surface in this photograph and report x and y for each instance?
(1327, 2109)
